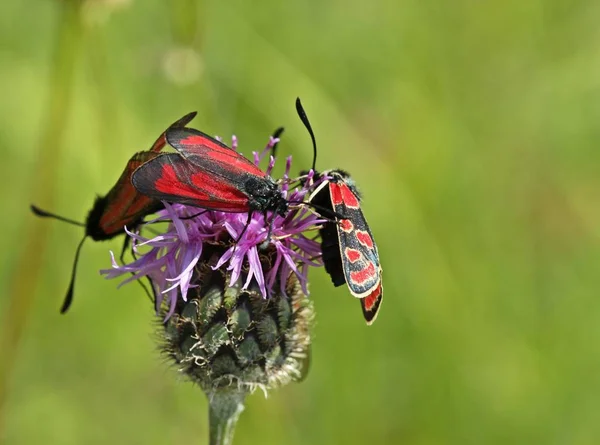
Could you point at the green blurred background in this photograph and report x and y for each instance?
(471, 127)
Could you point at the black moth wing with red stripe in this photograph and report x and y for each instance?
(123, 205)
(349, 252)
(180, 123)
(230, 166)
(360, 263)
(370, 304)
(213, 156)
(207, 173)
(172, 178)
(330, 244)
(330, 249)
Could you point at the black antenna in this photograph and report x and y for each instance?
(183, 218)
(322, 209)
(44, 214)
(276, 134)
(125, 246)
(306, 123)
(69, 296)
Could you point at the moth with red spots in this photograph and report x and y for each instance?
(208, 174)
(349, 251)
(121, 206)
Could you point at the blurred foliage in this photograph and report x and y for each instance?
(472, 129)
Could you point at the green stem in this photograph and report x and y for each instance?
(226, 405)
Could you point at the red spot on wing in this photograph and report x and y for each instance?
(362, 276)
(346, 225)
(336, 194)
(364, 238)
(370, 300)
(352, 255)
(371, 304)
(349, 198)
(342, 195)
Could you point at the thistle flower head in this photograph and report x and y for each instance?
(231, 289)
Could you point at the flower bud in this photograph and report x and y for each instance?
(227, 336)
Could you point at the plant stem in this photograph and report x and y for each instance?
(226, 405)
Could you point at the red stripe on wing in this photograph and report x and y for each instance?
(115, 218)
(349, 198)
(336, 194)
(123, 204)
(162, 139)
(172, 178)
(210, 154)
(342, 195)
(168, 183)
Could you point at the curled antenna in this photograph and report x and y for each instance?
(304, 119)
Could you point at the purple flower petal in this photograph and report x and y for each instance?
(170, 258)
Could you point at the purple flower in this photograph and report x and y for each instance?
(170, 259)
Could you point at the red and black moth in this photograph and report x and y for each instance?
(208, 174)
(349, 251)
(121, 206)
